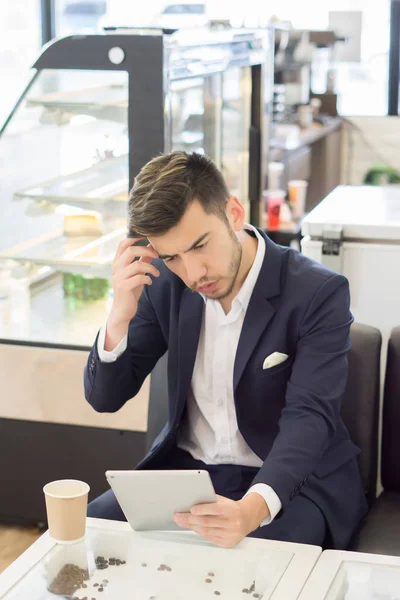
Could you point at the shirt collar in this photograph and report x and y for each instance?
(245, 292)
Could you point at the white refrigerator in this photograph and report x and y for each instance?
(355, 230)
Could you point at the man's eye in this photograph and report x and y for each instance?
(200, 246)
(168, 260)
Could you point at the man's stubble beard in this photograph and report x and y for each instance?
(234, 267)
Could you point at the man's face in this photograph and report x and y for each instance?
(203, 250)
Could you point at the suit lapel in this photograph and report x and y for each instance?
(190, 319)
(260, 310)
(258, 315)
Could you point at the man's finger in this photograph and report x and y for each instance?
(214, 508)
(148, 259)
(188, 520)
(122, 246)
(218, 540)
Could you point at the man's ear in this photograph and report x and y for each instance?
(235, 213)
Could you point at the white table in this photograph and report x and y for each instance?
(193, 569)
(353, 576)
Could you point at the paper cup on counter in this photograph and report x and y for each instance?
(297, 196)
(66, 505)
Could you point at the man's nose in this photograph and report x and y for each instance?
(195, 270)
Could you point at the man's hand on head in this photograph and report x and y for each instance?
(225, 522)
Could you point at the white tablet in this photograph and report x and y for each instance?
(149, 499)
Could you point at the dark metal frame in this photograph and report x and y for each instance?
(394, 59)
(48, 20)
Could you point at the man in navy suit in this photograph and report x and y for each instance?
(257, 338)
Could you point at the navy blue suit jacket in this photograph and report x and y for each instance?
(289, 414)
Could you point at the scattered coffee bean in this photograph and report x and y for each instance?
(84, 585)
(217, 593)
(211, 574)
(168, 569)
(101, 589)
(85, 598)
(246, 591)
(208, 580)
(256, 595)
(123, 562)
(95, 585)
(252, 587)
(93, 598)
(144, 564)
(105, 580)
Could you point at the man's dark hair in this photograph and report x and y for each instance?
(167, 185)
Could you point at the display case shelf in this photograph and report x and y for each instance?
(103, 186)
(103, 102)
(80, 254)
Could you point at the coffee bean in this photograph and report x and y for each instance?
(144, 564)
(68, 580)
(84, 585)
(95, 585)
(168, 569)
(211, 574)
(256, 595)
(246, 591)
(252, 587)
(208, 580)
(217, 593)
(101, 589)
(123, 562)
(105, 580)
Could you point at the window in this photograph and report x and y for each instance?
(20, 37)
(184, 9)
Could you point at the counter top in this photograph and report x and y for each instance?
(309, 136)
(363, 213)
(52, 320)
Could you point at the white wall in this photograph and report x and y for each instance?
(367, 141)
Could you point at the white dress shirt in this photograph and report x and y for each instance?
(210, 431)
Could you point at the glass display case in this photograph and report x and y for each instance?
(115, 562)
(97, 108)
(340, 575)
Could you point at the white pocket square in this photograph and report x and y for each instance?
(276, 358)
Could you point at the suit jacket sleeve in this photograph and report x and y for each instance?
(314, 390)
(109, 385)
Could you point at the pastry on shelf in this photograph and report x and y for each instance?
(83, 224)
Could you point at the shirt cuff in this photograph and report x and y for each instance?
(112, 356)
(271, 499)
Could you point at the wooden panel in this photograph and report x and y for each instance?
(43, 384)
(14, 541)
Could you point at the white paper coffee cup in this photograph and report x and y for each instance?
(66, 505)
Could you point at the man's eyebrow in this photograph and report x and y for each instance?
(196, 243)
